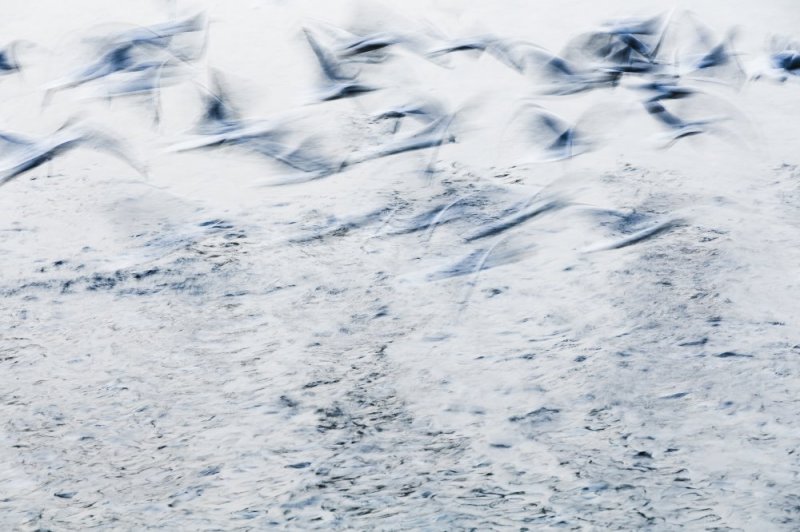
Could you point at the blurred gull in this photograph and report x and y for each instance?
(19, 154)
(667, 89)
(162, 34)
(424, 111)
(432, 135)
(9, 61)
(336, 84)
(145, 49)
(628, 46)
(555, 138)
(512, 53)
(558, 75)
(368, 45)
(787, 61)
(783, 61)
(699, 55)
(677, 127)
(222, 125)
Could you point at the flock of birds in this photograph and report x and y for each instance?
(143, 60)
(665, 59)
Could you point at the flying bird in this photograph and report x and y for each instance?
(336, 84)
(425, 111)
(221, 124)
(435, 134)
(553, 137)
(360, 45)
(512, 53)
(788, 61)
(677, 127)
(19, 154)
(700, 55)
(9, 62)
(144, 50)
(560, 76)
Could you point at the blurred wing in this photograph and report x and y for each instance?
(327, 62)
(11, 143)
(115, 147)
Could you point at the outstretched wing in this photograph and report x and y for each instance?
(328, 63)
